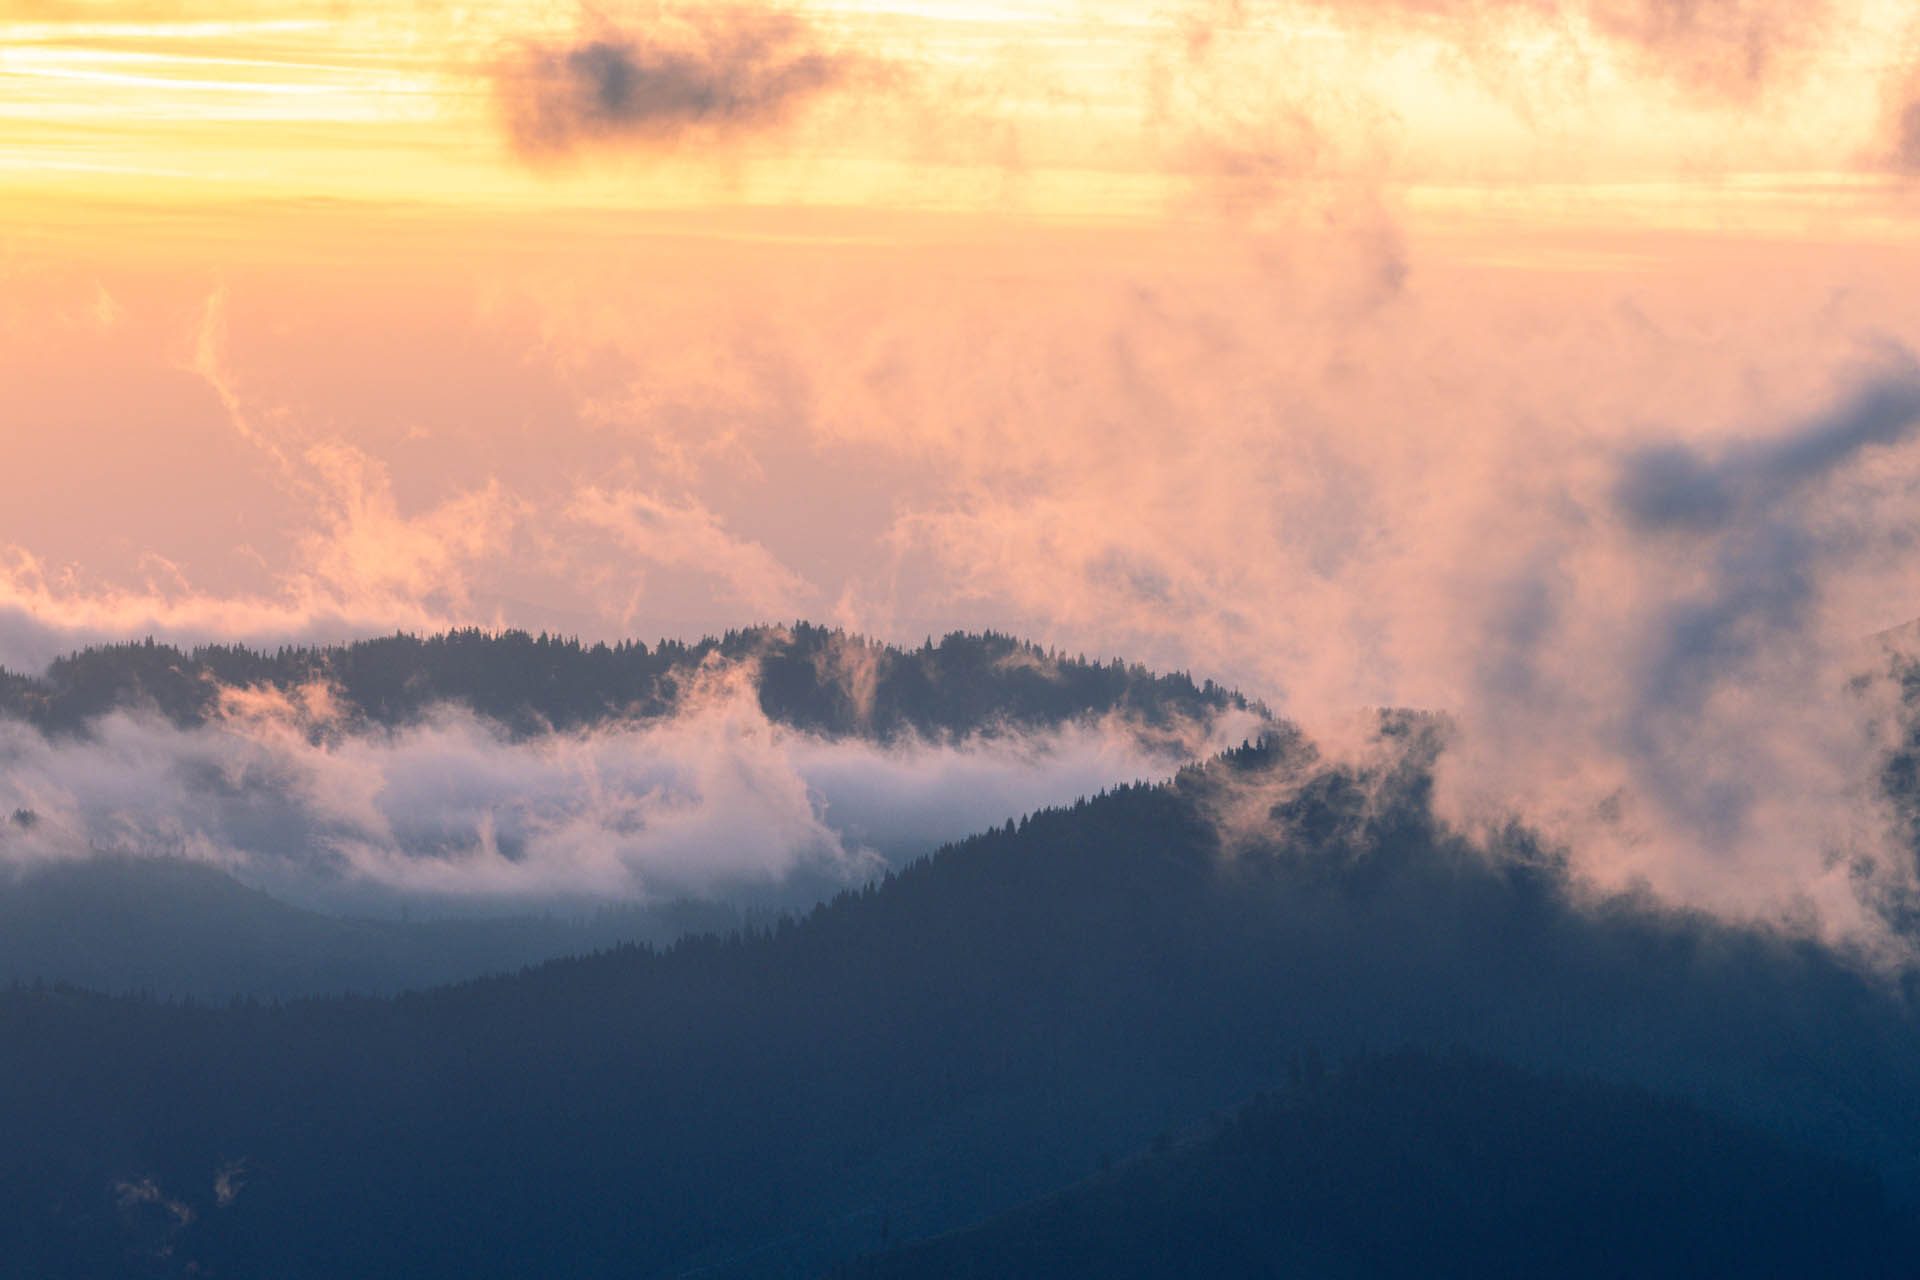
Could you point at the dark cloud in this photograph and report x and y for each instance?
(722, 73)
(1764, 549)
(1906, 142)
(1674, 487)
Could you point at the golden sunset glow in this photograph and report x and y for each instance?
(1041, 111)
(1272, 340)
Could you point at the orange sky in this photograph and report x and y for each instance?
(1743, 111)
(1305, 345)
(325, 317)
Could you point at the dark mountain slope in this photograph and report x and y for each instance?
(977, 1031)
(1415, 1164)
(809, 677)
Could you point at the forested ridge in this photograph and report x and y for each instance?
(810, 677)
(120, 838)
(985, 1027)
(1440, 1164)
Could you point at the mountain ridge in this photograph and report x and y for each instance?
(821, 679)
(944, 1044)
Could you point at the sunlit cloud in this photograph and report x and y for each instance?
(687, 535)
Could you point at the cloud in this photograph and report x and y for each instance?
(686, 535)
(1671, 487)
(1664, 684)
(356, 560)
(364, 567)
(1715, 50)
(711, 74)
(1213, 449)
(1732, 47)
(713, 800)
(1643, 635)
(1900, 129)
(228, 1182)
(1763, 556)
(210, 365)
(369, 549)
(143, 1191)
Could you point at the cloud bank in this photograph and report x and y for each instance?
(454, 813)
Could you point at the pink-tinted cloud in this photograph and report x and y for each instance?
(362, 567)
(685, 534)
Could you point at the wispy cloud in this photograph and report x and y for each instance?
(1702, 49)
(363, 566)
(686, 535)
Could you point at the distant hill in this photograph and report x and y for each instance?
(976, 1031)
(173, 927)
(1417, 1164)
(177, 929)
(814, 678)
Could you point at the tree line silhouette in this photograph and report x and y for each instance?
(816, 678)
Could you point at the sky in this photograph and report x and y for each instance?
(1547, 362)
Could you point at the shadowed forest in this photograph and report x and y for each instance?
(1056, 1000)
